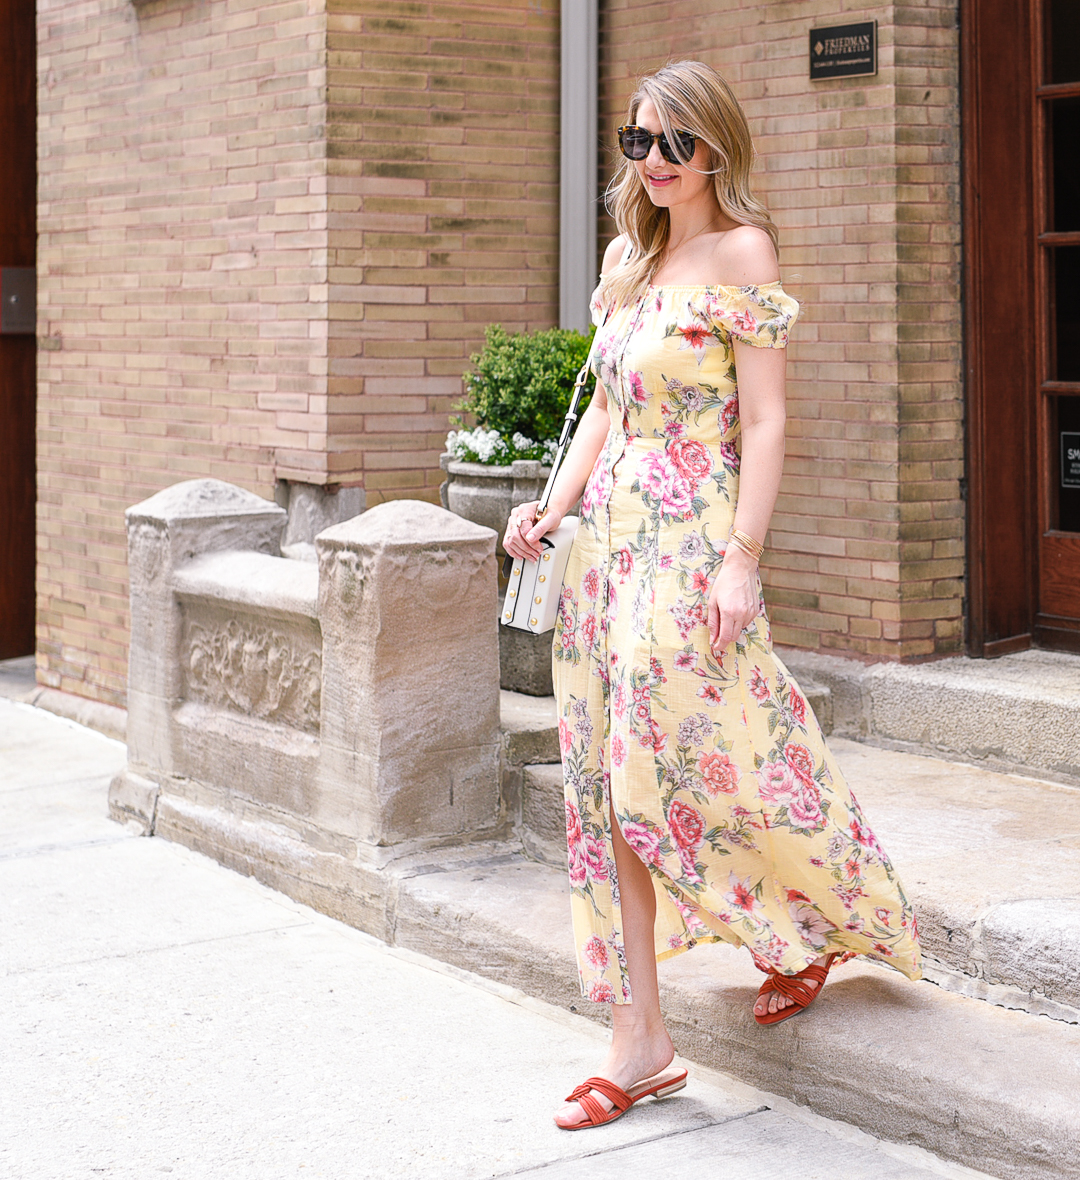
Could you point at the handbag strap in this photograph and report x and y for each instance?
(569, 422)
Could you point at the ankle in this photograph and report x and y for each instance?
(637, 1041)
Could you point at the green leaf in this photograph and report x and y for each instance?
(523, 382)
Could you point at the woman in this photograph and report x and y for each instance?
(702, 802)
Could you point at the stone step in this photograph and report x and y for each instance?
(990, 1088)
(543, 816)
(531, 729)
(977, 1082)
(1019, 713)
(987, 1087)
(990, 861)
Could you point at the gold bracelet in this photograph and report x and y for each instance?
(746, 543)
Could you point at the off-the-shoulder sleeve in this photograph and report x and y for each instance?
(761, 316)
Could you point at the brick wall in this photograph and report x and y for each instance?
(866, 550)
(931, 409)
(239, 279)
(182, 272)
(271, 234)
(443, 214)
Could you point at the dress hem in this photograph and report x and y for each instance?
(672, 952)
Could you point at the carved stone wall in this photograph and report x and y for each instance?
(324, 716)
(256, 667)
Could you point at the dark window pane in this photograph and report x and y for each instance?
(1066, 449)
(1063, 41)
(1065, 138)
(1066, 290)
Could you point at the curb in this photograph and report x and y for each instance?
(19, 685)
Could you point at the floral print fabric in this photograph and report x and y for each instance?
(715, 767)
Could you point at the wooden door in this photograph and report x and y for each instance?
(1021, 179)
(999, 324)
(18, 165)
(1057, 209)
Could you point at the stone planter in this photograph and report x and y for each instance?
(485, 495)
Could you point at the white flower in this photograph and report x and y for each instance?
(489, 446)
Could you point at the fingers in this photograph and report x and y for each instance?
(731, 610)
(729, 628)
(530, 540)
(523, 531)
(515, 544)
(724, 626)
(542, 527)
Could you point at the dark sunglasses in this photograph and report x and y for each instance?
(636, 143)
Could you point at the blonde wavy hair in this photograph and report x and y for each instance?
(688, 96)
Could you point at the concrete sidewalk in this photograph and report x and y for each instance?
(166, 1015)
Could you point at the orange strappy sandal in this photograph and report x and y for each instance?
(622, 1099)
(795, 988)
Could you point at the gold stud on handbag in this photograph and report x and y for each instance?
(532, 597)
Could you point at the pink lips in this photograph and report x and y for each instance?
(661, 181)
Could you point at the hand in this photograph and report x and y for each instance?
(523, 530)
(733, 598)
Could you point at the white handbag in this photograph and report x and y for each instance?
(532, 597)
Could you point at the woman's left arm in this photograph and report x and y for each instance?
(733, 601)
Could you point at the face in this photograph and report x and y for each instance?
(666, 183)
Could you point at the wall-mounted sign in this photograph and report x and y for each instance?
(1070, 459)
(843, 51)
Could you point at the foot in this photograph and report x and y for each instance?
(775, 1002)
(625, 1067)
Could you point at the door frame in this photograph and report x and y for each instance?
(998, 225)
(18, 353)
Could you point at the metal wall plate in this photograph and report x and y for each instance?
(18, 300)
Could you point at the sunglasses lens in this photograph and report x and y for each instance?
(684, 145)
(685, 142)
(635, 143)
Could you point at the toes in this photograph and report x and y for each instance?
(770, 1004)
(573, 1113)
(570, 1115)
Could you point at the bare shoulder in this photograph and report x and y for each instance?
(744, 256)
(613, 254)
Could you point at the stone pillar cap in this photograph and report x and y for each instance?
(195, 498)
(403, 524)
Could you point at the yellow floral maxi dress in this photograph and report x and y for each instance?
(716, 768)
